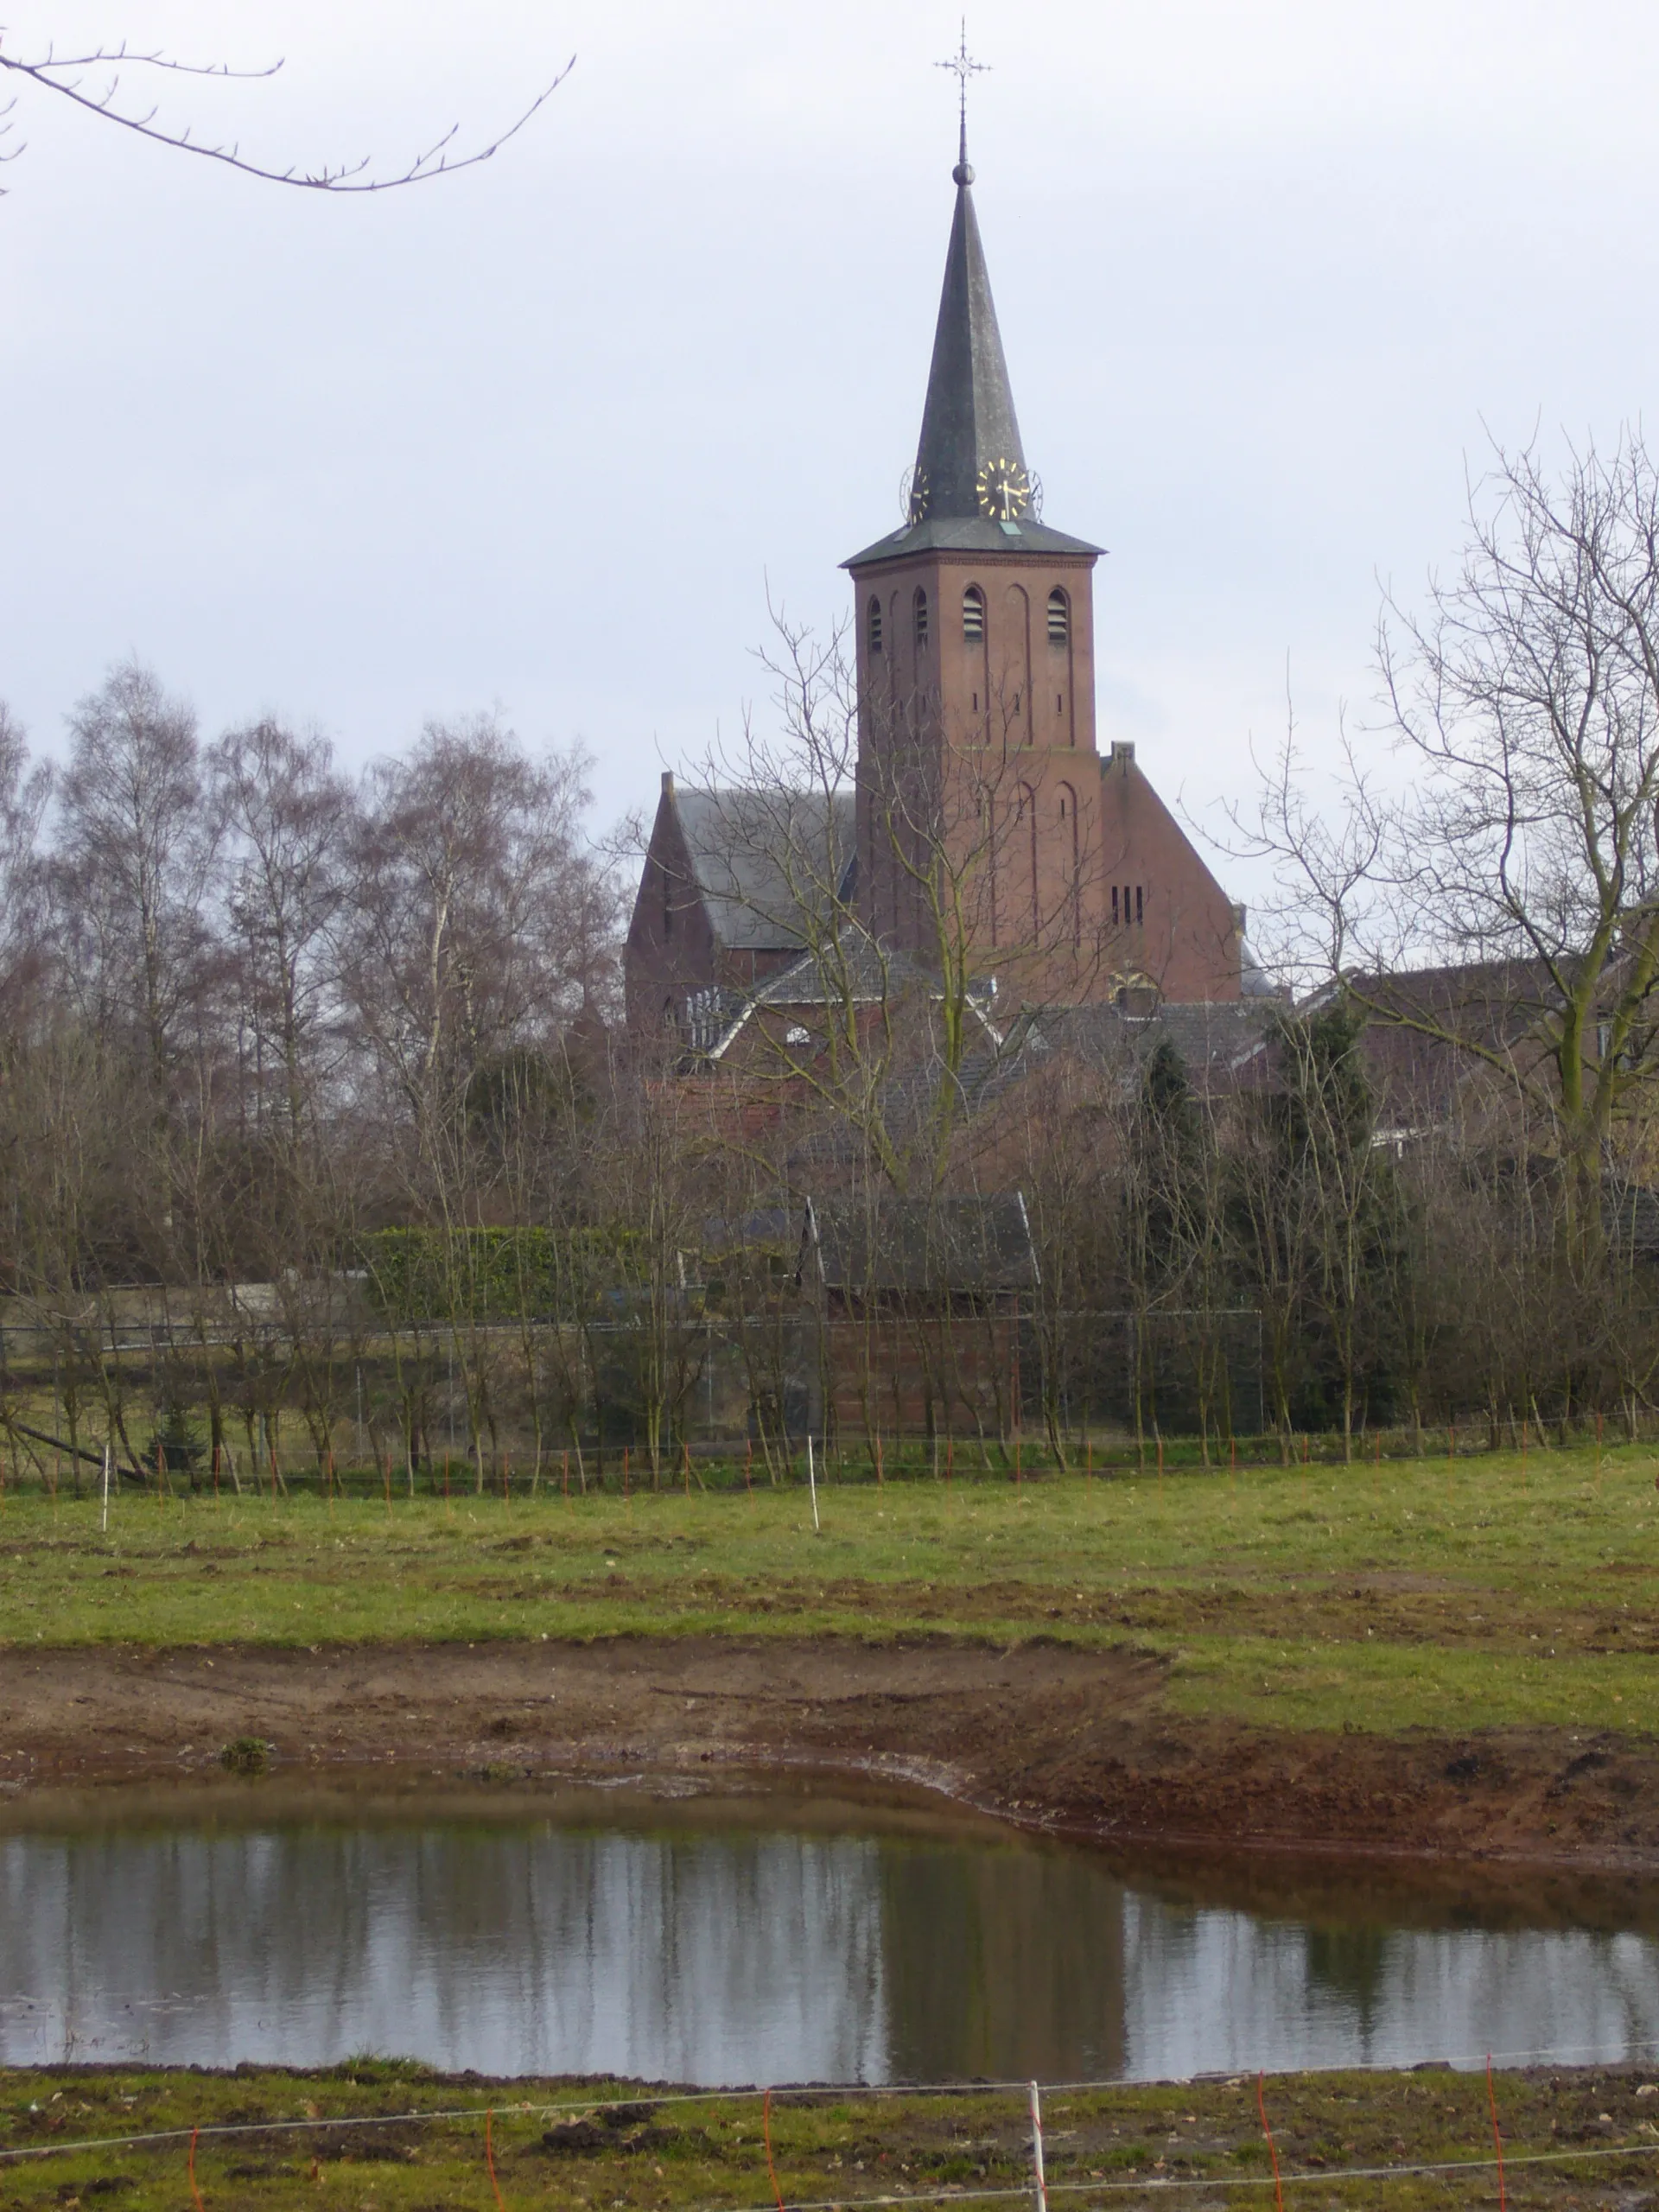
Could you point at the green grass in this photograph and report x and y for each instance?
(1417, 1593)
(616, 2149)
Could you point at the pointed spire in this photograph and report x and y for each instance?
(968, 423)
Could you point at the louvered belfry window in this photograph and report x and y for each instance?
(919, 607)
(876, 626)
(1059, 618)
(972, 615)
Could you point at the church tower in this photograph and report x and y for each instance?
(989, 829)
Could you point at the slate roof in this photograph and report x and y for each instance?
(967, 417)
(857, 969)
(1217, 1038)
(922, 1244)
(772, 866)
(959, 534)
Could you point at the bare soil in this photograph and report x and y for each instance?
(1053, 1736)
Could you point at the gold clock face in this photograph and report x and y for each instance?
(918, 496)
(1004, 490)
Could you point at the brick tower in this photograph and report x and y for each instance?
(989, 829)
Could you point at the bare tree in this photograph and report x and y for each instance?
(289, 826)
(1520, 842)
(480, 923)
(24, 792)
(132, 857)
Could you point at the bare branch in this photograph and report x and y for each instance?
(64, 75)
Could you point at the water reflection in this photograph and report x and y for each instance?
(733, 1953)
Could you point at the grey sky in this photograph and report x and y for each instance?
(538, 436)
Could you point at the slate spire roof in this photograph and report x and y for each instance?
(968, 418)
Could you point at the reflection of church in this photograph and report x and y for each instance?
(1069, 880)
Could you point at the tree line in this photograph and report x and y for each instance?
(319, 1085)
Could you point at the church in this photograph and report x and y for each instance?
(983, 839)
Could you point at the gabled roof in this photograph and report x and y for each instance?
(849, 968)
(772, 866)
(935, 1244)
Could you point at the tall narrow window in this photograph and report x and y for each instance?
(918, 609)
(1114, 906)
(972, 615)
(876, 626)
(1059, 618)
(1139, 911)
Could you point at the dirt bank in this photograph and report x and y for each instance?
(1050, 1735)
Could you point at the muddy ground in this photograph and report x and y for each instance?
(1081, 1741)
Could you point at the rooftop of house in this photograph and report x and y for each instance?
(845, 968)
(931, 1244)
(1219, 1039)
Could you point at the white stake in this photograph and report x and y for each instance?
(1037, 2149)
(103, 1525)
(813, 1483)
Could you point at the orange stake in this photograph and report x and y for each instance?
(766, 2130)
(1498, 2139)
(1260, 2105)
(194, 2192)
(489, 2156)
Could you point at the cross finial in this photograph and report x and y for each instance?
(963, 66)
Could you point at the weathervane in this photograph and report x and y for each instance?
(962, 66)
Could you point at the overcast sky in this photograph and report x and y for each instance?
(541, 436)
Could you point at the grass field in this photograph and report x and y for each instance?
(1490, 1591)
(1581, 2138)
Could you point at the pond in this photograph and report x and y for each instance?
(804, 1934)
